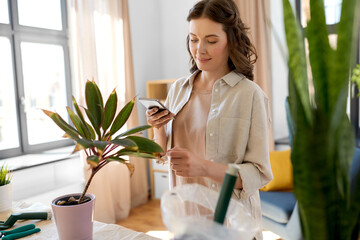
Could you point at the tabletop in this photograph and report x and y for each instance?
(101, 231)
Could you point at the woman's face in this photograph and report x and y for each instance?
(208, 45)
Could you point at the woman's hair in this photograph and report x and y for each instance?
(242, 53)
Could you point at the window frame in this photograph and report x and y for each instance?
(16, 34)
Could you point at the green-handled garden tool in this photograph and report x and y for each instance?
(23, 216)
(19, 232)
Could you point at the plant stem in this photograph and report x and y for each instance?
(105, 154)
(101, 164)
(113, 147)
(109, 151)
(94, 171)
(87, 186)
(107, 146)
(93, 150)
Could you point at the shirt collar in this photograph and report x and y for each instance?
(191, 78)
(232, 78)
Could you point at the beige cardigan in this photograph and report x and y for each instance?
(236, 131)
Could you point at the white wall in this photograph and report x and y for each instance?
(158, 32)
(145, 27)
(174, 31)
(159, 29)
(279, 70)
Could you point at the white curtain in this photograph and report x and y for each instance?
(100, 49)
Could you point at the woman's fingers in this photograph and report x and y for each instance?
(158, 118)
(178, 158)
(182, 173)
(151, 111)
(164, 120)
(158, 115)
(179, 166)
(177, 152)
(185, 163)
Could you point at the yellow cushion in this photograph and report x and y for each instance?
(282, 172)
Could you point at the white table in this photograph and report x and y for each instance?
(101, 231)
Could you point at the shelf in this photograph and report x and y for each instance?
(158, 88)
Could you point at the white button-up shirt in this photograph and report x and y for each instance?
(236, 131)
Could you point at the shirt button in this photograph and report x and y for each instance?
(214, 110)
(213, 185)
(216, 90)
(211, 134)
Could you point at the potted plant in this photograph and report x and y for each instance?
(5, 189)
(323, 141)
(102, 144)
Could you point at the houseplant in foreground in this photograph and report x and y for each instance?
(5, 189)
(323, 141)
(102, 144)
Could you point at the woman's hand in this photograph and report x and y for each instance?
(185, 163)
(156, 118)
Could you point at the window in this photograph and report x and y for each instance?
(35, 74)
(332, 11)
(332, 15)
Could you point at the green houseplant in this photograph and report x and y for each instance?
(5, 175)
(5, 189)
(323, 141)
(102, 144)
(97, 137)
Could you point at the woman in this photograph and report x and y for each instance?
(221, 114)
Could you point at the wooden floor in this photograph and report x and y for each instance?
(145, 218)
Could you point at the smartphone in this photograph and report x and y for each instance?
(153, 102)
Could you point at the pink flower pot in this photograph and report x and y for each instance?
(75, 221)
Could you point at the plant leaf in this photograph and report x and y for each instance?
(80, 115)
(127, 152)
(297, 59)
(77, 148)
(347, 33)
(110, 110)
(134, 130)
(118, 159)
(93, 122)
(86, 143)
(127, 143)
(122, 117)
(77, 122)
(94, 104)
(100, 144)
(130, 166)
(319, 53)
(91, 130)
(99, 93)
(93, 161)
(5, 175)
(145, 144)
(62, 124)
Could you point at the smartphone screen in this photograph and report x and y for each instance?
(152, 102)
